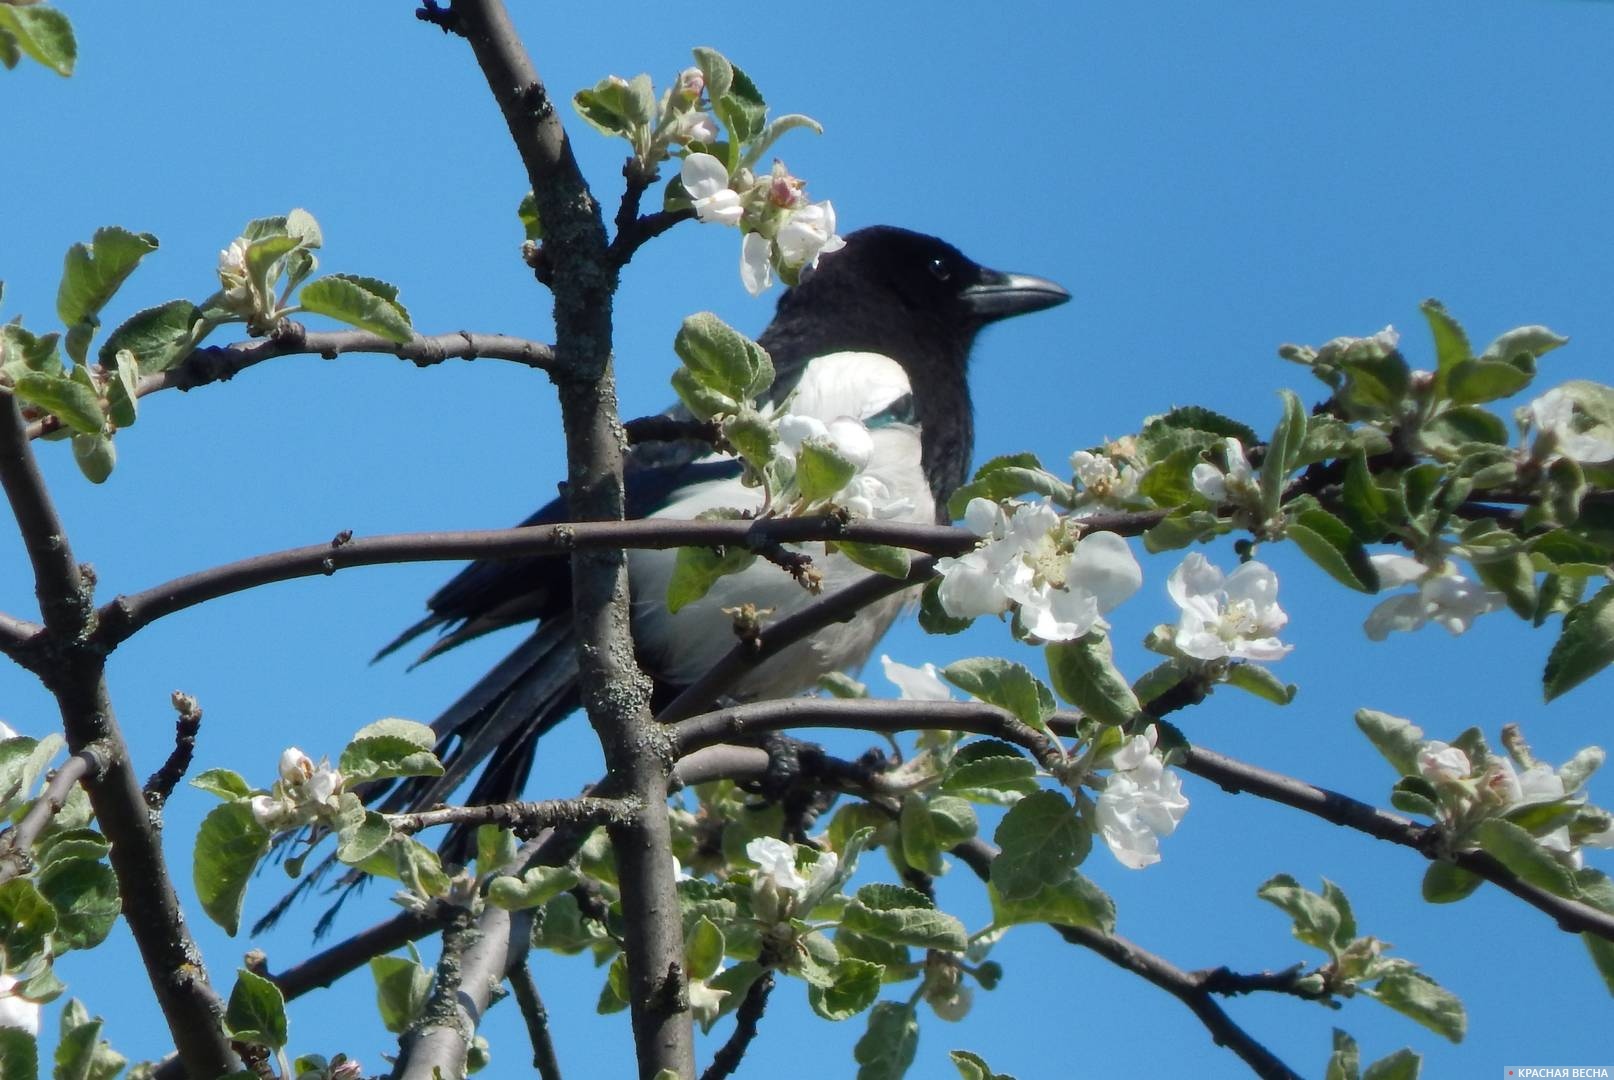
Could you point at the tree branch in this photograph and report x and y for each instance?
(435, 1044)
(537, 1020)
(125, 615)
(1188, 987)
(862, 714)
(161, 783)
(525, 819)
(15, 859)
(219, 363)
(746, 1018)
(74, 671)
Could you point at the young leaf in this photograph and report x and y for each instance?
(257, 1011)
(903, 916)
(42, 33)
(69, 399)
(1445, 883)
(362, 302)
(1584, 647)
(854, 985)
(1397, 739)
(1076, 901)
(1084, 674)
(92, 273)
(1328, 542)
(228, 846)
(887, 1048)
(1041, 841)
(1005, 684)
(1416, 995)
(159, 337)
(401, 987)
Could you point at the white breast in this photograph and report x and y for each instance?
(859, 385)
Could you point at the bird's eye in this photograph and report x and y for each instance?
(940, 270)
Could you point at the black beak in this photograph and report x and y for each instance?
(999, 296)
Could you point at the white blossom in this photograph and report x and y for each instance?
(1102, 480)
(756, 263)
(809, 233)
(776, 863)
(1235, 617)
(17, 1011)
(870, 497)
(1236, 483)
(916, 683)
(706, 179)
(1552, 416)
(1063, 588)
(1438, 761)
(1141, 801)
(1443, 596)
(706, 1000)
(696, 127)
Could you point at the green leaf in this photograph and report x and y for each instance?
(1401, 1065)
(72, 401)
(1473, 381)
(1397, 739)
(1076, 901)
(1376, 379)
(770, 134)
(19, 1053)
(1525, 857)
(256, 1013)
(1041, 840)
(43, 34)
(536, 886)
(1328, 542)
(363, 838)
(697, 569)
(1602, 952)
(1415, 795)
(228, 846)
(1365, 507)
(887, 1048)
(362, 302)
(742, 108)
(1005, 684)
(159, 336)
(1282, 449)
(1345, 1062)
(390, 748)
(854, 987)
(81, 1053)
(23, 762)
(821, 468)
(999, 779)
(1416, 995)
(1584, 647)
(122, 389)
(1180, 529)
(225, 783)
(1451, 343)
(717, 71)
(722, 359)
(401, 988)
(92, 274)
(1464, 425)
(1084, 674)
(974, 1067)
(920, 848)
(1530, 342)
(903, 916)
(1257, 680)
(1317, 920)
(84, 892)
(27, 921)
(1445, 883)
(1008, 481)
(893, 562)
(95, 456)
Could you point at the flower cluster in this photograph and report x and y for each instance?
(1107, 481)
(1235, 484)
(1032, 560)
(1472, 790)
(1553, 419)
(783, 231)
(1140, 802)
(304, 793)
(779, 892)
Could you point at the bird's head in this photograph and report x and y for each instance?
(909, 296)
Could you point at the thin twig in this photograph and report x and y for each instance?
(746, 1018)
(526, 819)
(15, 859)
(162, 782)
(1188, 987)
(217, 363)
(537, 1019)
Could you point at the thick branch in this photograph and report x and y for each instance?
(218, 363)
(73, 670)
(1188, 987)
(125, 615)
(435, 1044)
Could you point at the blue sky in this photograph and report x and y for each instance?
(1209, 181)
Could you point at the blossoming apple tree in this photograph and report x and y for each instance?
(707, 864)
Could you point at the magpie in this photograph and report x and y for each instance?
(880, 331)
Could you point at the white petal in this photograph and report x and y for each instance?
(703, 175)
(1397, 570)
(1209, 482)
(1404, 612)
(756, 270)
(1104, 567)
(916, 683)
(983, 517)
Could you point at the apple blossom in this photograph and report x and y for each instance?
(1236, 483)
(1140, 802)
(17, 1011)
(916, 683)
(756, 263)
(1443, 596)
(706, 179)
(1234, 617)
(1552, 417)
(1103, 481)
(807, 234)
